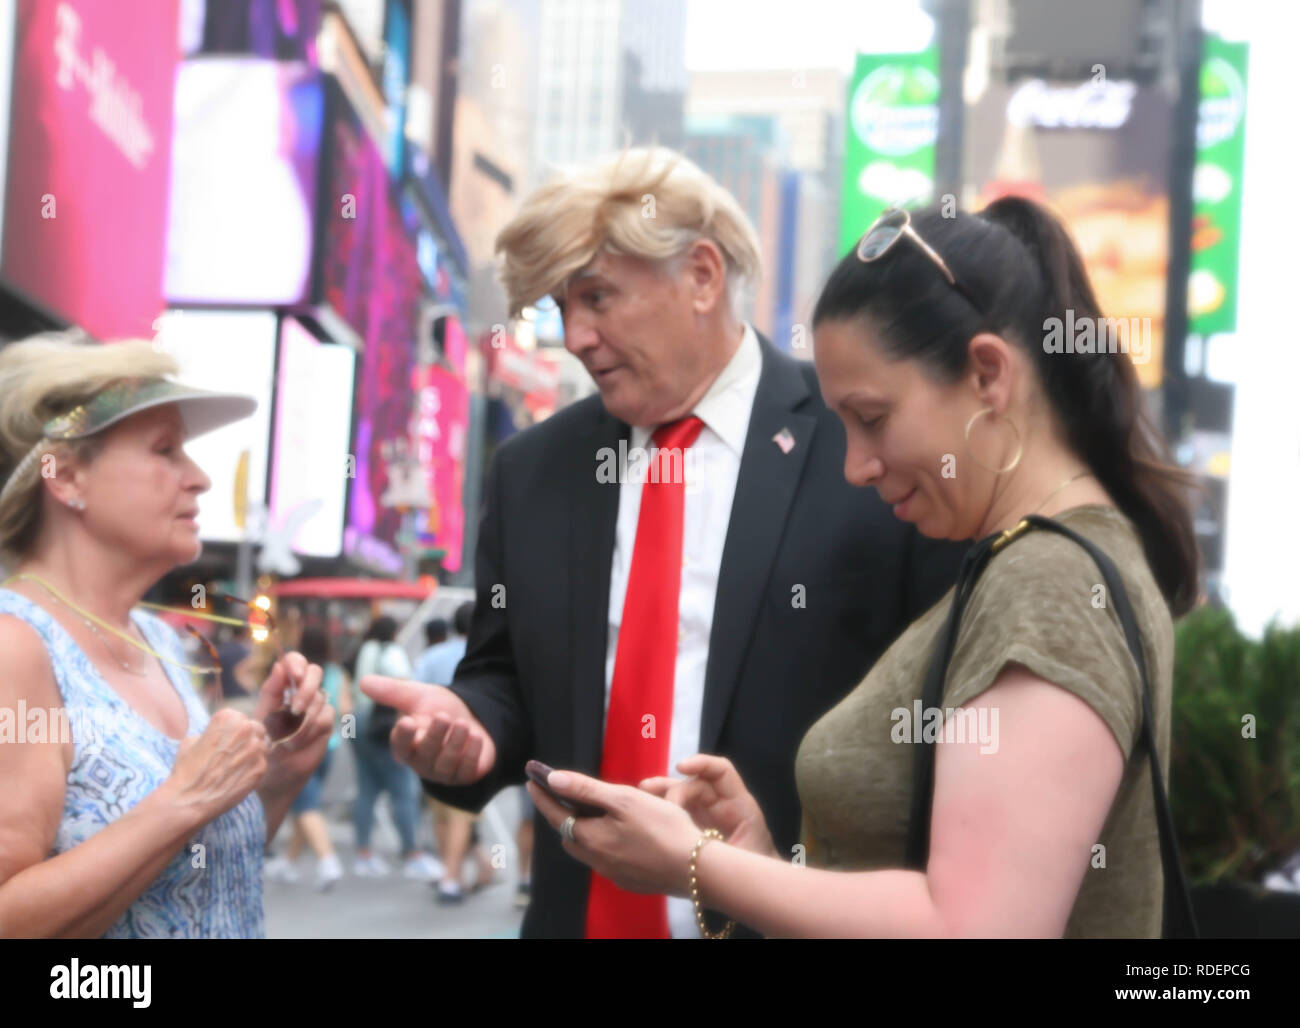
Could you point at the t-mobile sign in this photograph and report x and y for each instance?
(90, 138)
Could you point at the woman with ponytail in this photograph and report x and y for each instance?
(934, 344)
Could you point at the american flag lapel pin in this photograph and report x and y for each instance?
(784, 440)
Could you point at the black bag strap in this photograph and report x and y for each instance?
(1179, 919)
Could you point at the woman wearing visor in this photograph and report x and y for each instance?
(1035, 811)
(137, 815)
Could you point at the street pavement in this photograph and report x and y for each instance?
(393, 907)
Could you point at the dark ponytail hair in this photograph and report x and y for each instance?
(1017, 260)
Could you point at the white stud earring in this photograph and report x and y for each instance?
(77, 504)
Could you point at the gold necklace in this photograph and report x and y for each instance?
(92, 620)
(142, 673)
(1007, 534)
(1073, 478)
(85, 619)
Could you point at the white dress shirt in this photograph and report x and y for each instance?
(713, 466)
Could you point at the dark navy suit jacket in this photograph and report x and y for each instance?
(534, 669)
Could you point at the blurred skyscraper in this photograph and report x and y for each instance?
(611, 72)
(494, 128)
(746, 155)
(808, 104)
(772, 137)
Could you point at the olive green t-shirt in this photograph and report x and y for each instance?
(1040, 603)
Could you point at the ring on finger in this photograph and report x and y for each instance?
(566, 829)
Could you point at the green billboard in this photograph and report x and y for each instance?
(891, 125)
(1216, 188)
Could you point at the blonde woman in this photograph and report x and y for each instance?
(149, 819)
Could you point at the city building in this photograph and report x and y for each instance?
(611, 73)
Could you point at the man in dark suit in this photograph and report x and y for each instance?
(783, 582)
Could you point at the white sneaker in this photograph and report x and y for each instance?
(1280, 882)
(328, 871)
(449, 893)
(280, 869)
(372, 866)
(424, 868)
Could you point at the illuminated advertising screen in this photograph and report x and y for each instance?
(353, 220)
(6, 62)
(313, 426)
(387, 483)
(1098, 153)
(890, 133)
(1217, 187)
(228, 351)
(284, 31)
(369, 276)
(397, 71)
(244, 163)
(90, 147)
(442, 428)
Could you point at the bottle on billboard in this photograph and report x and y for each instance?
(1018, 171)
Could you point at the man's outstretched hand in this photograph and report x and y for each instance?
(437, 736)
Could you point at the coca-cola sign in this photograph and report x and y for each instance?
(1090, 105)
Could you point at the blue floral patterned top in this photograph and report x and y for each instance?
(213, 887)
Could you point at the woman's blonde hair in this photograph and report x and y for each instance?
(647, 202)
(43, 377)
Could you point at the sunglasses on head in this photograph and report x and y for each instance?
(888, 229)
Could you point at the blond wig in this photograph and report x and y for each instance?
(41, 378)
(650, 203)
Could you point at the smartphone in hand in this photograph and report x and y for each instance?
(538, 772)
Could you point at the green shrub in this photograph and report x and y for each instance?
(1235, 799)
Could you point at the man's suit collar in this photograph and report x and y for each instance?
(782, 382)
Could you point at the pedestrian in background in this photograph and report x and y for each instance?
(457, 830)
(377, 771)
(435, 656)
(309, 824)
(524, 840)
(237, 678)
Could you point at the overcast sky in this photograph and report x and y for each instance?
(799, 33)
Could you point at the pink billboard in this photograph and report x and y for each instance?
(90, 140)
(371, 277)
(442, 426)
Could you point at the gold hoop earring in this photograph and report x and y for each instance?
(1020, 446)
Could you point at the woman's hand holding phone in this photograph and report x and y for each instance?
(538, 773)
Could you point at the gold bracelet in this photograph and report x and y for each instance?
(711, 833)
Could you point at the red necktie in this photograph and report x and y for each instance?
(644, 667)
